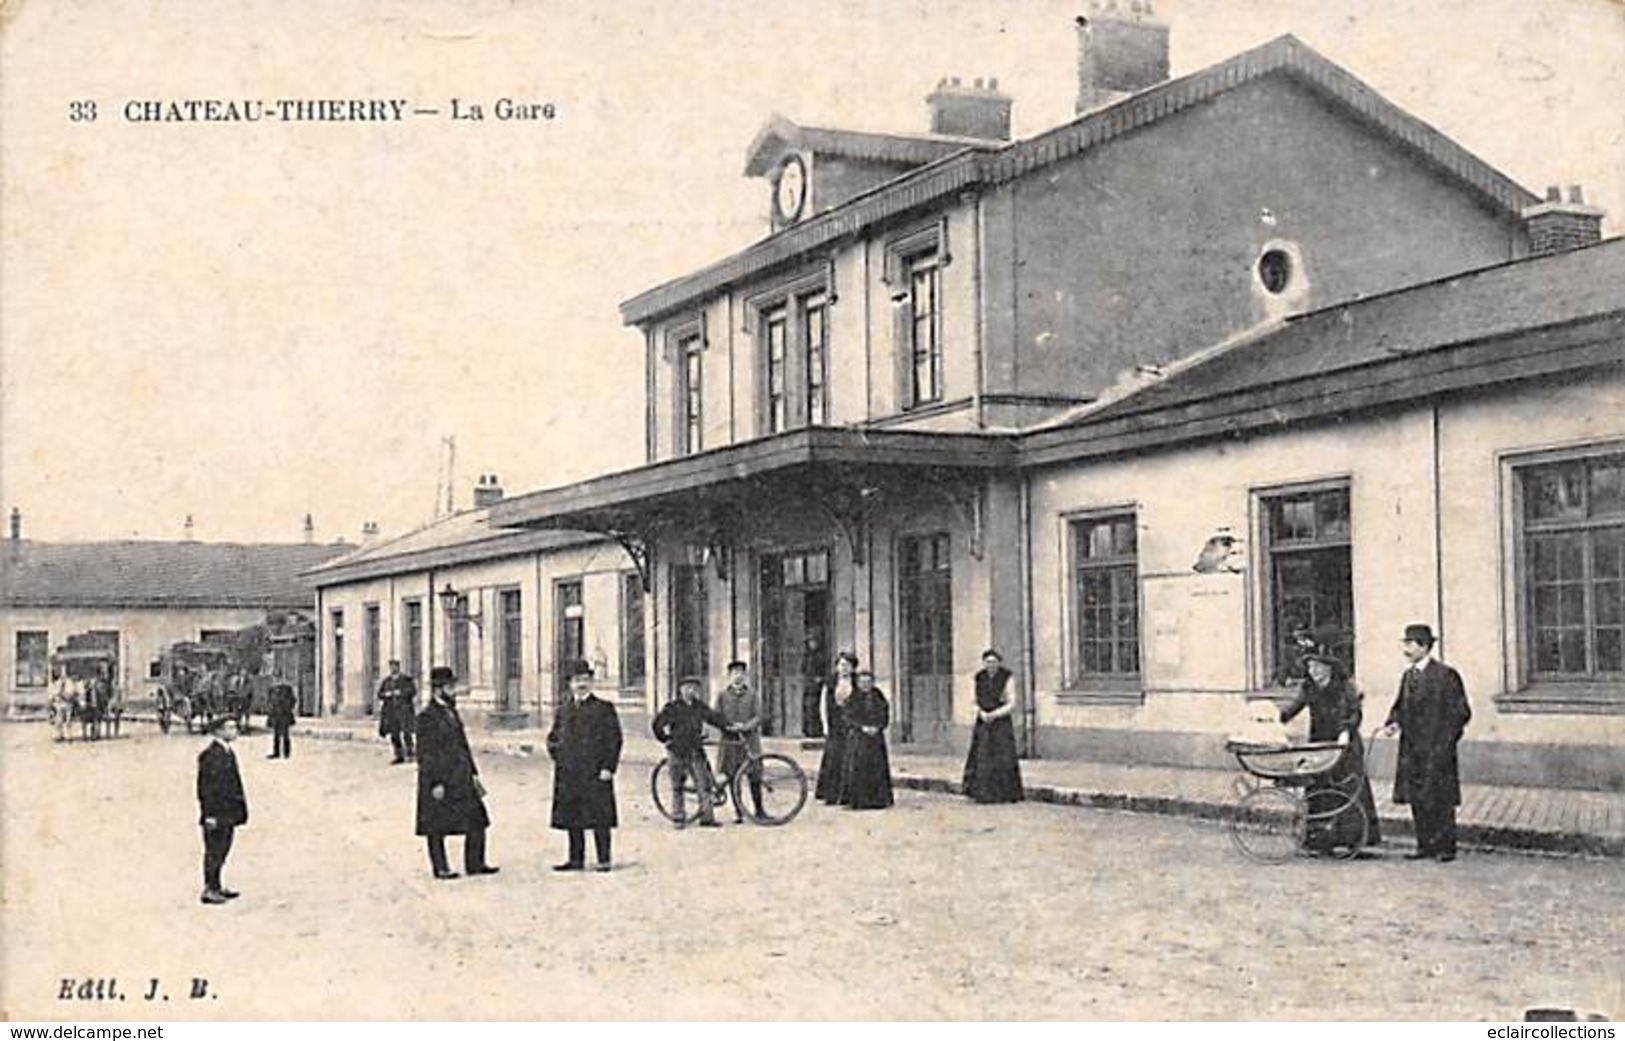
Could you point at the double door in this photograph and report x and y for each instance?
(796, 634)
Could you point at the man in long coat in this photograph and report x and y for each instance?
(1430, 714)
(222, 806)
(585, 744)
(279, 716)
(451, 799)
(397, 707)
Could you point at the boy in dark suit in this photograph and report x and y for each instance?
(680, 726)
(222, 806)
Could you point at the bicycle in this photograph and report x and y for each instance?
(784, 787)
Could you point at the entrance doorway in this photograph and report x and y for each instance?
(925, 597)
(795, 640)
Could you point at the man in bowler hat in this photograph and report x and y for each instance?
(1430, 714)
(451, 799)
(222, 805)
(585, 744)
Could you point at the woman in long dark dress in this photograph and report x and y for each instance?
(1334, 709)
(991, 771)
(868, 776)
(837, 691)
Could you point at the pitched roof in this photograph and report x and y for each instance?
(1521, 318)
(158, 574)
(780, 134)
(458, 539)
(989, 165)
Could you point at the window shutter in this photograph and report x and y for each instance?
(902, 349)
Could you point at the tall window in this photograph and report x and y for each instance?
(1573, 574)
(458, 639)
(570, 631)
(1311, 579)
(775, 334)
(412, 630)
(692, 394)
(815, 338)
(634, 661)
(925, 329)
(33, 658)
(511, 652)
(1106, 580)
(371, 639)
(337, 618)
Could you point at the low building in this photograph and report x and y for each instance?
(508, 611)
(139, 597)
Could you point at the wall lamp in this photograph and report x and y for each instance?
(449, 604)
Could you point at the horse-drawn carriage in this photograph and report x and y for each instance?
(88, 691)
(192, 682)
(231, 673)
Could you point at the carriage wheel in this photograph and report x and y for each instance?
(784, 788)
(1269, 825)
(1339, 815)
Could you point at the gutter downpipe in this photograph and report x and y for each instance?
(1029, 654)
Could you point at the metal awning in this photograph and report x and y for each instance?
(711, 497)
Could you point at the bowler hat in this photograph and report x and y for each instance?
(737, 664)
(1324, 656)
(1417, 632)
(582, 667)
(441, 676)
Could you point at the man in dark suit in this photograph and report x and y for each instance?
(1430, 714)
(280, 718)
(585, 744)
(397, 707)
(222, 806)
(451, 799)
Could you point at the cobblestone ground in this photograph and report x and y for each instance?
(934, 910)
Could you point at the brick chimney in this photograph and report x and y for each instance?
(974, 111)
(369, 532)
(1122, 48)
(16, 524)
(1556, 226)
(488, 492)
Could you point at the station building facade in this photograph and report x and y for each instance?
(975, 393)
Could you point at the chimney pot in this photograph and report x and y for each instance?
(1119, 53)
(1555, 226)
(16, 524)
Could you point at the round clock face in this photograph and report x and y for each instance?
(791, 192)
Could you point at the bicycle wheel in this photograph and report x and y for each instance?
(784, 788)
(1269, 825)
(660, 789)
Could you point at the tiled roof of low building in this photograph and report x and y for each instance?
(463, 537)
(141, 573)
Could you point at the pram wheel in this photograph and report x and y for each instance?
(1269, 825)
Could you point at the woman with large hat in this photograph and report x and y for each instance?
(1334, 710)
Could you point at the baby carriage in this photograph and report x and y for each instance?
(1297, 799)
